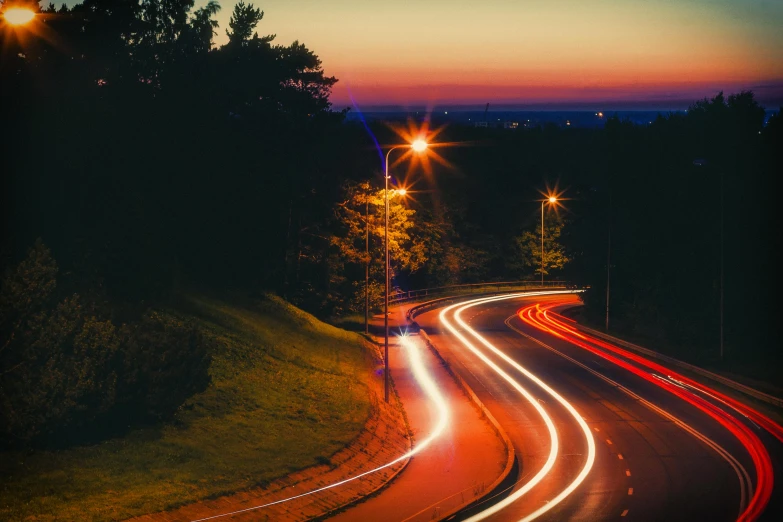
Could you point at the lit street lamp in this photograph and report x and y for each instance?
(552, 200)
(18, 15)
(417, 146)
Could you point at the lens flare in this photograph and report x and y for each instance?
(18, 15)
(419, 145)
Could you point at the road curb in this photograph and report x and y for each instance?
(396, 474)
(510, 453)
(747, 390)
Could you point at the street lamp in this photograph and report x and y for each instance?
(417, 146)
(401, 192)
(552, 200)
(18, 15)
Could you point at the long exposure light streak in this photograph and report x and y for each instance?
(756, 416)
(432, 392)
(742, 474)
(539, 318)
(554, 445)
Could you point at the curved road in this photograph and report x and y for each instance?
(658, 448)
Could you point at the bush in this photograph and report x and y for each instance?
(68, 376)
(166, 361)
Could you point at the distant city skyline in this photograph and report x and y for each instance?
(534, 52)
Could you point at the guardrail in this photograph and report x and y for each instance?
(472, 288)
(412, 312)
(760, 395)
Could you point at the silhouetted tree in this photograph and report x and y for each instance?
(242, 24)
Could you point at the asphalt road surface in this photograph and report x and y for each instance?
(611, 438)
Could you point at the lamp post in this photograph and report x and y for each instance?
(721, 265)
(416, 146)
(367, 263)
(608, 258)
(552, 200)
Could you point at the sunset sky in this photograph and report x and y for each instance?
(531, 51)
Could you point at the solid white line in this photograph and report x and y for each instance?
(431, 390)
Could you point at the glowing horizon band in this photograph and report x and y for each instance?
(430, 388)
(554, 447)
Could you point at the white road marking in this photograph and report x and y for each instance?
(430, 389)
(746, 486)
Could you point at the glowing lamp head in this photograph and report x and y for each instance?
(419, 145)
(18, 15)
(552, 199)
(401, 191)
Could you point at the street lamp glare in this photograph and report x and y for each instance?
(419, 145)
(552, 199)
(18, 15)
(402, 191)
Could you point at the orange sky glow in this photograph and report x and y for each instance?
(459, 51)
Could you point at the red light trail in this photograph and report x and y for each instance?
(542, 318)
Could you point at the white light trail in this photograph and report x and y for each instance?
(426, 382)
(547, 420)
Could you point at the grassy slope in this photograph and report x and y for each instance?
(287, 390)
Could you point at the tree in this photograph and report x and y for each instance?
(68, 374)
(242, 24)
(407, 242)
(204, 26)
(528, 249)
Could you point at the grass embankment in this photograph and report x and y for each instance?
(287, 392)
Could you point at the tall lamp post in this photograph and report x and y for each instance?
(551, 200)
(416, 146)
(608, 259)
(367, 263)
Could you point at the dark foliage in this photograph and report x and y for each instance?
(150, 161)
(68, 374)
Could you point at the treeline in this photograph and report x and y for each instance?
(669, 189)
(151, 161)
(148, 162)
